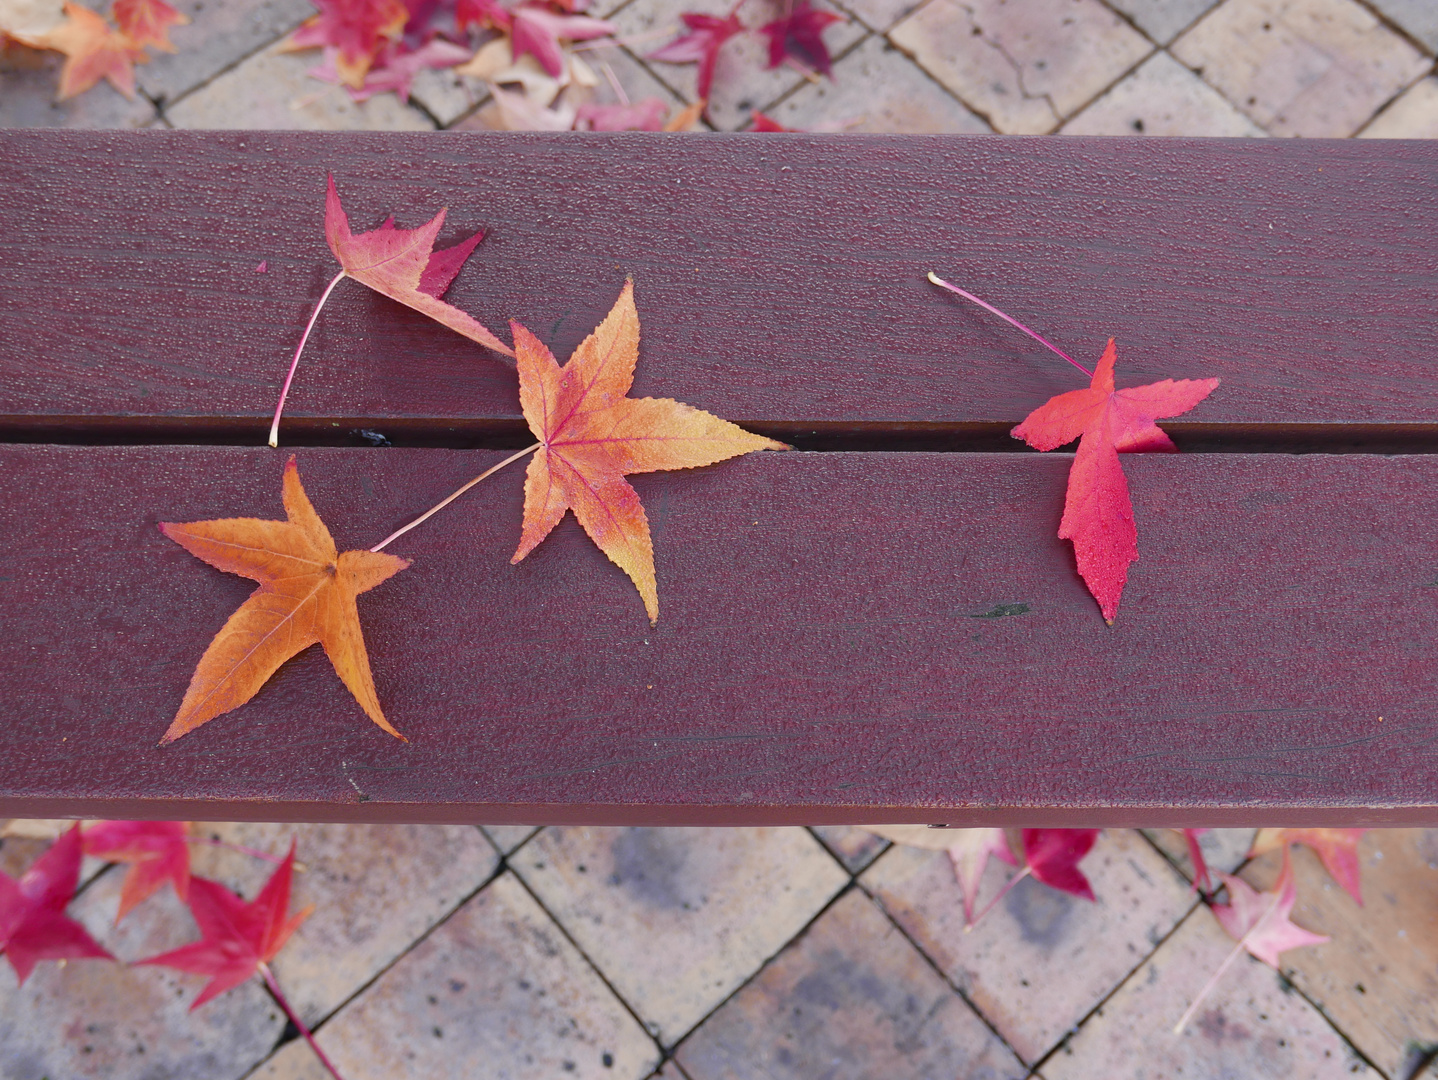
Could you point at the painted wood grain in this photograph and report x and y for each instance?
(779, 280)
(842, 638)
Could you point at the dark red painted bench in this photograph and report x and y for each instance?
(880, 627)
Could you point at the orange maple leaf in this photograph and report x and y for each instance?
(591, 436)
(148, 22)
(1336, 848)
(306, 595)
(93, 50)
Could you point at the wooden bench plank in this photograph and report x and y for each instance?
(843, 638)
(780, 280)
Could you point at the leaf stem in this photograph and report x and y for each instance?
(941, 283)
(256, 852)
(1025, 872)
(437, 507)
(294, 1019)
(1228, 961)
(284, 393)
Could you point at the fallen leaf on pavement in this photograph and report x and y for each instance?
(33, 923)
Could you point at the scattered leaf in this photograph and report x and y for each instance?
(799, 36)
(687, 119)
(1053, 855)
(93, 50)
(483, 14)
(707, 35)
(646, 115)
(1259, 920)
(156, 852)
(1098, 515)
(236, 937)
(760, 122)
(28, 20)
(394, 68)
(356, 29)
(1336, 848)
(537, 31)
(33, 923)
(592, 436)
(148, 22)
(968, 850)
(520, 112)
(306, 595)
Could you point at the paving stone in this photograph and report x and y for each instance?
(852, 999)
(878, 88)
(271, 91)
(1311, 68)
(1022, 66)
(92, 1018)
(1412, 116)
(1418, 17)
(446, 96)
(1162, 98)
(880, 15)
(496, 992)
(376, 888)
(677, 919)
(854, 847)
(1377, 980)
(219, 35)
(29, 80)
(1163, 20)
(1223, 849)
(1251, 1026)
(742, 82)
(1041, 960)
(637, 81)
(509, 837)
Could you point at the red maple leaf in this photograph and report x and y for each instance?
(156, 851)
(760, 122)
(1259, 920)
(707, 34)
(237, 938)
(1201, 881)
(1336, 848)
(1052, 856)
(485, 14)
(148, 22)
(798, 36)
(33, 923)
(536, 30)
(646, 115)
(356, 29)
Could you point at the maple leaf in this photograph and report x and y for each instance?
(1052, 856)
(799, 35)
(760, 122)
(237, 938)
(357, 29)
(1098, 514)
(148, 22)
(536, 31)
(591, 436)
(395, 68)
(93, 50)
(707, 35)
(1201, 880)
(403, 265)
(646, 115)
(1259, 920)
(485, 14)
(1336, 848)
(306, 595)
(26, 21)
(156, 851)
(33, 923)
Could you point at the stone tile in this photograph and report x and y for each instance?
(1377, 980)
(1301, 67)
(852, 999)
(270, 90)
(376, 888)
(1412, 116)
(633, 77)
(677, 919)
(878, 88)
(1022, 66)
(670, 1071)
(854, 847)
(1417, 17)
(880, 15)
(91, 1018)
(1223, 849)
(446, 96)
(1041, 960)
(1251, 1025)
(496, 992)
(29, 80)
(1163, 20)
(219, 35)
(742, 83)
(1162, 98)
(509, 837)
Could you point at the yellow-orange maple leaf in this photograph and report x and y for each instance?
(93, 50)
(148, 22)
(591, 436)
(306, 595)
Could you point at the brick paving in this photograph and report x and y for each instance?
(685, 954)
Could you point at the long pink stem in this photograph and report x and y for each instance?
(1008, 319)
(1227, 962)
(437, 507)
(294, 1019)
(256, 852)
(285, 392)
(1002, 893)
